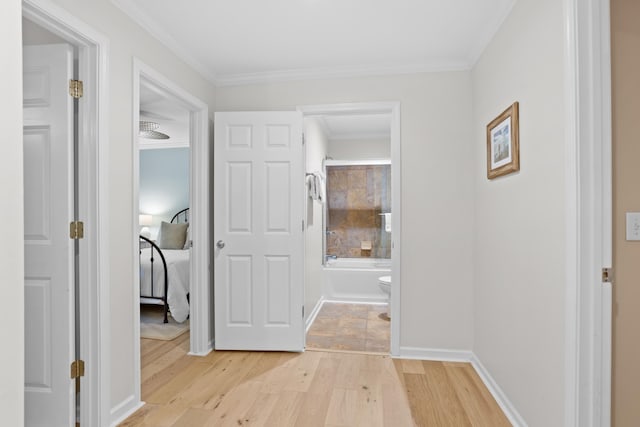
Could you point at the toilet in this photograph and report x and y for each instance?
(385, 284)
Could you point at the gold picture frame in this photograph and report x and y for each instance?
(503, 143)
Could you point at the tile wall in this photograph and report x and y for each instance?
(356, 196)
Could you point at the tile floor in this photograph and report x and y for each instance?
(351, 327)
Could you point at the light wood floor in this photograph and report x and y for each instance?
(308, 389)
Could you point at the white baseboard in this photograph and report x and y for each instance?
(503, 401)
(124, 410)
(313, 314)
(357, 300)
(204, 353)
(438, 354)
(445, 355)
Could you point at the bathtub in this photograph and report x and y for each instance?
(355, 279)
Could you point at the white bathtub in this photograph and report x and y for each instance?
(355, 279)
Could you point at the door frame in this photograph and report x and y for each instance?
(392, 108)
(588, 212)
(200, 308)
(93, 168)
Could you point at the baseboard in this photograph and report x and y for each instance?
(355, 300)
(209, 349)
(442, 355)
(124, 410)
(445, 355)
(313, 314)
(501, 398)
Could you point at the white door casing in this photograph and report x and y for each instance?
(258, 208)
(588, 211)
(48, 210)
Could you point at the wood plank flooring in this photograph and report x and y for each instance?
(308, 389)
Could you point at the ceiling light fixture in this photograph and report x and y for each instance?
(148, 130)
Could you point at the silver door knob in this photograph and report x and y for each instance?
(220, 244)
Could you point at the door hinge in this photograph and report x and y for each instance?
(607, 275)
(77, 369)
(76, 89)
(303, 311)
(76, 230)
(303, 225)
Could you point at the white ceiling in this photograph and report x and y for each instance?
(172, 119)
(243, 41)
(345, 127)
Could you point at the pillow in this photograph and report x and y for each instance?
(187, 244)
(172, 236)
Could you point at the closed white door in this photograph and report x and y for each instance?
(258, 208)
(48, 210)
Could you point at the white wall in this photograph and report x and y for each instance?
(360, 149)
(437, 189)
(127, 40)
(316, 149)
(11, 217)
(519, 246)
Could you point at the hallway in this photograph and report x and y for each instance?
(307, 389)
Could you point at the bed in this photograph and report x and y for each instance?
(164, 268)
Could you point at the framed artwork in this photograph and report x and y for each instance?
(503, 148)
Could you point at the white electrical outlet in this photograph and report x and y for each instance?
(633, 225)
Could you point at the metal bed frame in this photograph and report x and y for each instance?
(180, 217)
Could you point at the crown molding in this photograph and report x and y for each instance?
(129, 8)
(339, 72)
(150, 144)
(238, 79)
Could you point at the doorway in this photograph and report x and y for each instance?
(160, 108)
(86, 333)
(50, 183)
(165, 245)
(352, 257)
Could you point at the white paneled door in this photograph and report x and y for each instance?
(259, 188)
(48, 210)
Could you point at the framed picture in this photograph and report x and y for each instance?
(503, 148)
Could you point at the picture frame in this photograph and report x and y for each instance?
(503, 143)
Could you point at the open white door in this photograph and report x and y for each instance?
(258, 208)
(48, 210)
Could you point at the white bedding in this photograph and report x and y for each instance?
(178, 273)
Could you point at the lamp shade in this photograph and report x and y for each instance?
(145, 220)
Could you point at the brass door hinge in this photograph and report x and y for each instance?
(76, 230)
(76, 89)
(77, 369)
(607, 275)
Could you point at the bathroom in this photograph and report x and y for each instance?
(348, 243)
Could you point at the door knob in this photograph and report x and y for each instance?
(220, 244)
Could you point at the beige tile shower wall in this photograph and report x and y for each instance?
(356, 196)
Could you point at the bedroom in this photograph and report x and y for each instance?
(164, 214)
